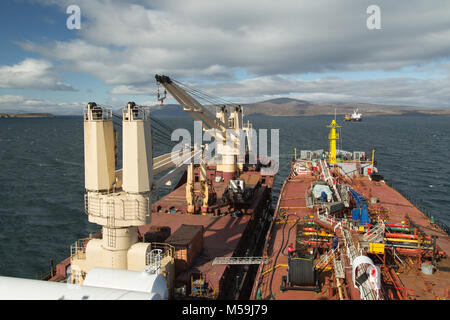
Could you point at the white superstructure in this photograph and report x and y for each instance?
(356, 116)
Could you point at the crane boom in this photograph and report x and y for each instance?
(227, 129)
(192, 106)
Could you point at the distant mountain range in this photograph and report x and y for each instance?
(280, 107)
(25, 115)
(294, 107)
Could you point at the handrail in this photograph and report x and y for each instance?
(355, 161)
(77, 249)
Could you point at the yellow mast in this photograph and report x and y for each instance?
(333, 137)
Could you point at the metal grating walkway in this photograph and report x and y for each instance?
(239, 260)
(338, 269)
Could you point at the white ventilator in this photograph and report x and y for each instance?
(150, 283)
(373, 273)
(374, 279)
(27, 289)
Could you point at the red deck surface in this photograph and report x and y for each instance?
(222, 231)
(221, 236)
(421, 286)
(292, 200)
(399, 207)
(177, 198)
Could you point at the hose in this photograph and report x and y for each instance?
(282, 247)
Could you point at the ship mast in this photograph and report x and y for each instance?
(333, 136)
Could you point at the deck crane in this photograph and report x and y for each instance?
(192, 106)
(120, 200)
(223, 126)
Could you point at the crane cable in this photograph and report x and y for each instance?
(158, 134)
(203, 95)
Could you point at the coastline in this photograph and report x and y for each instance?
(26, 115)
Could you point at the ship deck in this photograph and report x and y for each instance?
(221, 237)
(223, 232)
(292, 201)
(398, 207)
(421, 286)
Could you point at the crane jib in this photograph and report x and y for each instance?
(162, 79)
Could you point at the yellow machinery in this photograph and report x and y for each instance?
(376, 247)
(333, 136)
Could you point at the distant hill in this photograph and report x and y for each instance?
(293, 107)
(26, 115)
(285, 101)
(169, 110)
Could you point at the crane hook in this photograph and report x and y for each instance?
(160, 98)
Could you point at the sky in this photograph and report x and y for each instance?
(241, 50)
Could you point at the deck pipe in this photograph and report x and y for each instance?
(395, 223)
(397, 229)
(412, 252)
(406, 240)
(403, 235)
(408, 247)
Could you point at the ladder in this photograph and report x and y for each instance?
(325, 259)
(365, 291)
(376, 234)
(338, 269)
(111, 225)
(329, 178)
(153, 261)
(325, 218)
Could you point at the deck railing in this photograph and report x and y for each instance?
(77, 249)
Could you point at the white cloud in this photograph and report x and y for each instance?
(265, 37)
(392, 91)
(125, 44)
(130, 90)
(32, 74)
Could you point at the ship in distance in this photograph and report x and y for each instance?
(354, 117)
